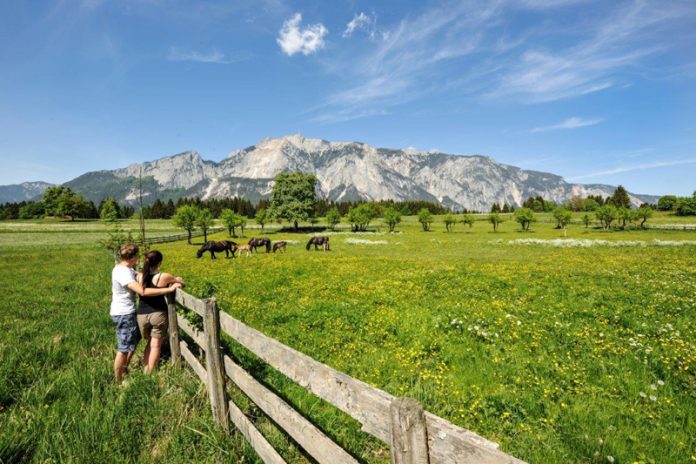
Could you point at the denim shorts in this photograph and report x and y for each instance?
(127, 332)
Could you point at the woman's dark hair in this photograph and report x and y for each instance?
(152, 260)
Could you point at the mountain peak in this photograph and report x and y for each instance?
(296, 141)
(187, 155)
(345, 171)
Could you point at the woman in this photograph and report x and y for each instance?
(124, 287)
(152, 310)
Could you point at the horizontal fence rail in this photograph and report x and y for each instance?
(414, 435)
(671, 226)
(177, 237)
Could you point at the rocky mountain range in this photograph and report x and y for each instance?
(22, 192)
(345, 171)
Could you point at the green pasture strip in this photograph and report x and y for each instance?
(58, 402)
(555, 353)
(560, 355)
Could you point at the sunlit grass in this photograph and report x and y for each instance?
(559, 354)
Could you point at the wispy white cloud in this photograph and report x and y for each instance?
(293, 39)
(396, 70)
(635, 167)
(570, 123)
(469, 50)
(361, 21)
(589, 65)
(214, 56)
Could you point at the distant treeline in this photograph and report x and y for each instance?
(165, 210)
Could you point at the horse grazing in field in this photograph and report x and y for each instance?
(280, 246)
(317, 242)
(241, 248)
(255, 243)
(213, 247)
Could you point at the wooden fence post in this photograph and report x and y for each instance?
(173, 330)
(409, 436)
(214, 366)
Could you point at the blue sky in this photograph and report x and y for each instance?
(595, 91)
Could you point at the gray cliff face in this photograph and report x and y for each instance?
(22, 192)
(351, 171)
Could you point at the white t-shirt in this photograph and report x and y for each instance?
(123, 298)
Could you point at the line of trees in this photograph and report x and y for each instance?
(681, 206)
(606, 215)
(59, 201)
(619, 198)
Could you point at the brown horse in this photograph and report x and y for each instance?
(317, 242)
(226, 245)
(255, 243)
(281, 245)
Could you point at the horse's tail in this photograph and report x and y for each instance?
(268, 246)
(309, 243)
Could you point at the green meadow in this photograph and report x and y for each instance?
(561, 350)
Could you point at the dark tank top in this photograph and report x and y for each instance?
(150, 304)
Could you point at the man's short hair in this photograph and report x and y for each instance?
(127, 251)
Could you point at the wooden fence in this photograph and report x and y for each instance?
(414, 435)
(174, 238)
(671, 226)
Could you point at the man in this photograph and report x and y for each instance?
(124, 286)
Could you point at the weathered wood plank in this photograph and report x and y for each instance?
(191, 302)
(213, 364)
(409, 437)
(367, 404)
(191, 331)
(173, 330)
(306, 434)
(193, 362)
(449, 444)
(251, 433)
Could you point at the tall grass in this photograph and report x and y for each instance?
(560, 354)
(58, 401)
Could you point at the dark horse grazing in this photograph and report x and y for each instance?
(319, 241)
(259, 242)
(226, 246)
(280, 246)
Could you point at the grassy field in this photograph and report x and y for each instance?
(58, 402)
(581, 353)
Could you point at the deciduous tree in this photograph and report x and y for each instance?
(392, 217)
(231, 220)
(185, 218)
(525, 216)
(293, 197)
(333, 217)
(449, 219)
(642, 214)
(425, 218)
(606, 215)
(496, 219)
(204, 221)
(468, 219)
(360, 216)
(563, 217)
(261, 218)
